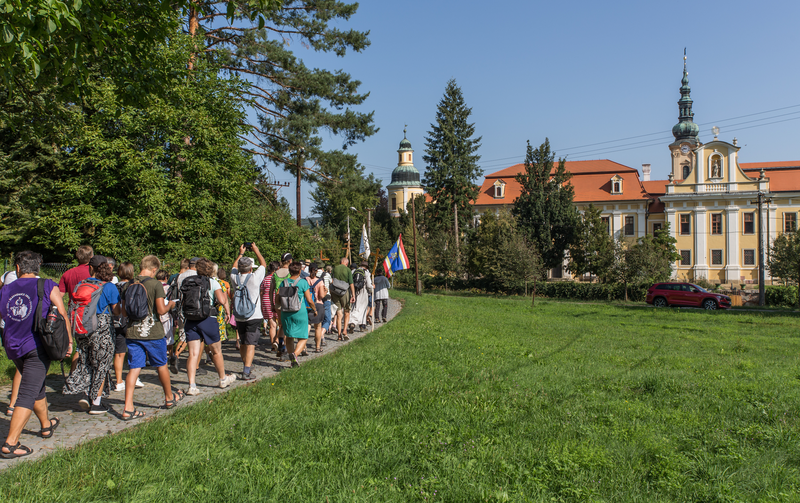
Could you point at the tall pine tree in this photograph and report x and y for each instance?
(544, 210)
(451, 162)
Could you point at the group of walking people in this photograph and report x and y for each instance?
(149, 319)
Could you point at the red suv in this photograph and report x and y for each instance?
(685, 294)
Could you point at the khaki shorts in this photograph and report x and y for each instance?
(342, 302)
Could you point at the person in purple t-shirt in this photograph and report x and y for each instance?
(18, 303)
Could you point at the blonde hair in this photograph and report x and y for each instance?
(150, 262)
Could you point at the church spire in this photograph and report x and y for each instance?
(685, 129)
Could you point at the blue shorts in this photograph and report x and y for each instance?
(140, 351)
(208, 330)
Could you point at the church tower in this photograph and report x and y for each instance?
(685, 132)
(405, 179)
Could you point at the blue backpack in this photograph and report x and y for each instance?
(243, 305)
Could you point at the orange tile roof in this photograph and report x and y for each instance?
(575, 167)
(591, 181)
(783, 176)
(656, 187)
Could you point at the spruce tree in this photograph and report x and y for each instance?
(451, 162)
(544, 210)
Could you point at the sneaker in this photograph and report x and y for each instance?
(84, 404)
(139, 383)
(384, 320)
(363, 328)
(293, 359)
(247, 377)
(120, 387)
(98, 409)
(224, 383)
(282, 349)
(193, 392)
(173, 364)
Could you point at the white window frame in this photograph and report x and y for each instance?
(744, 255)
(721, 256)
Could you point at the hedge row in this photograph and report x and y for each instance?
(775, 295)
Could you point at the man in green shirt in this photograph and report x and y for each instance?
(343, 273)
(145, 338)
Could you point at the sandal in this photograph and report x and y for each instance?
(132, 414)
(9, 410)
(48, 432)
(177, 396)
(11, 454)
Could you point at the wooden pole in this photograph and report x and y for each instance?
(416, 263)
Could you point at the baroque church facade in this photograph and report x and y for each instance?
(709, 200)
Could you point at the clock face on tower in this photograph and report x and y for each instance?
(685, 149)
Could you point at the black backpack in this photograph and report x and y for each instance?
(52, 329)
(359, 279)
(137, 303)
(196, 302)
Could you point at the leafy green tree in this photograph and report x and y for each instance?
(499, 253)
(334, 198)
(784, 258)
(127, 181)
(544, 210)
(592, 252)
(649, 260)
(293, 103)
(451, 161)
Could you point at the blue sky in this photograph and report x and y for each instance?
(577, 72)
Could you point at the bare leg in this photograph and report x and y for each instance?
(119, 359)
(273, 330)
(191, 363)
(130, 385)
(15, 388)
(216, 357)
(299, 346)
(346, 322)
(290, 344)
(317, 335)
(163, 376)
(248, 353)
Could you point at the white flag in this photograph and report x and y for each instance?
(364, 249)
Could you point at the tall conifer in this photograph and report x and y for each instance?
(451, 162)
(544, 209)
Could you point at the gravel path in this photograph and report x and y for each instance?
(78, 426)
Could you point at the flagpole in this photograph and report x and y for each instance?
(414, 223)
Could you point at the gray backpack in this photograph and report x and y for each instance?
(243, 305)
(289, 296)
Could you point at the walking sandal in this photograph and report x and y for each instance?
(12, 451)
(49, 431)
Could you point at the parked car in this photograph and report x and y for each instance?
(685, 294)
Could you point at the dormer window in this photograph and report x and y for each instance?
(499, 189)
(616, 184)
(715, 166)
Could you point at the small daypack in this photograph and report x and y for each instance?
(359, 279)
(120, 322)
(277, 281)
(83, 306)
(137, 302)
(243, 305)
(196, 304)
(289, 297)
(52, 328)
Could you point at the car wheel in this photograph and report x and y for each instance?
(709, 304)
(660, 302)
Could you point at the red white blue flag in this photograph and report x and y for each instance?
(396, 260)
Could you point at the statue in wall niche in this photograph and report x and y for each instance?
(716, 168)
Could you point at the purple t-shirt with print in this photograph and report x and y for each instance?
(18, 303)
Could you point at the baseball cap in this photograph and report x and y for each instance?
(193, 260)
(286, 257)
(97, 260)
(246, 263)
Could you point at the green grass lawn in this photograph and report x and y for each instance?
(479, 399)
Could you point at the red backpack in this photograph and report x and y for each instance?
(83, 306)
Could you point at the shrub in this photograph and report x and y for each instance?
(779, 295)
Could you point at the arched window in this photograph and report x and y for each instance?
(686, 171)
(499, 189)
(616, 184)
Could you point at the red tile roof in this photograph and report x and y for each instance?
(749, 166)
(591, 180)
(656, 187)
(783, 176)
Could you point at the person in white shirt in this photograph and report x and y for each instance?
(248, 325)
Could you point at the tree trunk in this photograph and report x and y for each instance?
(455, 213)
(533, 297)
